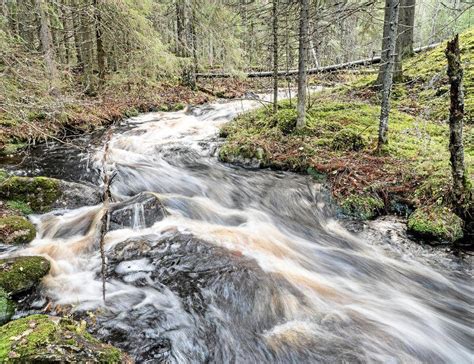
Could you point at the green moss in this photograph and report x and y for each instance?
(3, 175)
(285, 120)
(38, 192)
(41, 338)
(12, 148)
(178, 106)
(20, 274)
(347, 139)
(131, 112)
(16, 230)
(436, 222)
(362, 206)
(20, 206)
(7, 308)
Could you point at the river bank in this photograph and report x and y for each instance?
(412, 178)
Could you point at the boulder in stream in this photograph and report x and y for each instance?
(16, 230)
(20, 274)
(46, 339)
(141, 211)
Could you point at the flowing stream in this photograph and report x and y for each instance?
(244, 266)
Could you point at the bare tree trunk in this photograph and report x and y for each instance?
(456, 116)
(46, 42)
(76, 25)
(65, 31)
(99, 44)
(180, 28)
(275, 54)
(387, 79)
(404, 45)
(302, 54)
(194, 70)
(87, 47)
(406, 28)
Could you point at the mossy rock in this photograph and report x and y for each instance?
(348, 140)
(437, 223)
(46, 339)
(20, 274)
(361, 206)
(38, 192)
(7, 308)
(16, 230)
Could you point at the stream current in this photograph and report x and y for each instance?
(240, 265)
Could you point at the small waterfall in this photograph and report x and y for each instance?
(138, 216)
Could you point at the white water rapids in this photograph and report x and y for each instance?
(247, 266)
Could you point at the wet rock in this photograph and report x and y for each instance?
(75, 195)
(20, 274)
(141, 211)
(46, 339)
(203, 276)
(7, 308)
(43, 194)
(16, 230)
(437, 223)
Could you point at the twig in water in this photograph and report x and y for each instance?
(105, 220)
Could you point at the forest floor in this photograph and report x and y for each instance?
(339, 141)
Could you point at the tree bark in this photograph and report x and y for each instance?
(404, 44)
(456, 116)
(87, 47)
(387, 76)
(76, 31)
(101, 56)
(46, 42)
(275, 54)
(302, 55)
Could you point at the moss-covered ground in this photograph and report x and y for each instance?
(340, 138)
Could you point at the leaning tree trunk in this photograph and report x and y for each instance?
(387, 77)
(275, 54)
(302, 54)
(456, 115)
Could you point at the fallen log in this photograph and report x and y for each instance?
(311, 71)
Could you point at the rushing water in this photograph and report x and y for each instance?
(245, 266)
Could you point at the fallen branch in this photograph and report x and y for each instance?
(325, 69)
(105, 219)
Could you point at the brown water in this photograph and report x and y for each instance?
(247, 266)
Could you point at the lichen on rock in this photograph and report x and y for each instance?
(16, 230)
(20, 274)
(42, 338)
